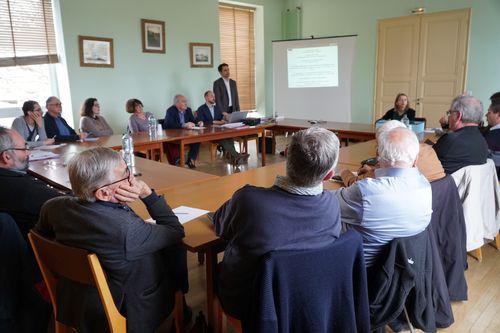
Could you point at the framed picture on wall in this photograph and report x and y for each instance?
(153, 36)
(96, 51)
(201, 54)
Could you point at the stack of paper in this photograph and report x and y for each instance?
(185, 214)
(37, 155)
(233, 125)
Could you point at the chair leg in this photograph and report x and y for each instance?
(408, 320)
(179, 312)
(496, 244)
(213, 150)
(201, 258)
(476, 254)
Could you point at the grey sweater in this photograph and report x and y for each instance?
(95, 127)
(38, 137)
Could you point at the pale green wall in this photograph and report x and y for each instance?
(341, 17)
(153, 78)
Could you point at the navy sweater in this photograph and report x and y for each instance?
(258, 220)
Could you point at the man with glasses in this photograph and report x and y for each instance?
(465, 145)
(55, 125)
(145, 262)
(21, 195)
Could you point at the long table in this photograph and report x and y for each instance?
(159, 175)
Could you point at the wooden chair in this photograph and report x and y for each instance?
(57, 260)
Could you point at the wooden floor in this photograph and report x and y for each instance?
(481, 313)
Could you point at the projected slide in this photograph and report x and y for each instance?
(313, 67)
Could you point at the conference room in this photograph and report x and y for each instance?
(204, 100)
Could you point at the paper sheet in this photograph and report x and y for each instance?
(37, 155)
(50, 146)
(198, 127)
(90, 139)
(185, 214)
(233, 125)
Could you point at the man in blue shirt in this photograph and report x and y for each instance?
(180, 116)
(373, 207)
(55, 125)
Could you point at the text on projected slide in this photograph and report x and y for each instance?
(313, 67)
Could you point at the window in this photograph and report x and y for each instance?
(237, 49)
(27, 50)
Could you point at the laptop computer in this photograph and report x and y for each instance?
(237, 116)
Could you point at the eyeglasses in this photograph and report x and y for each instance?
(127, 177)
(451, 111)
(26, 148)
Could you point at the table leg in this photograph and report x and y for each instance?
(263, 147)
(182, 162)
(210, 269)
(162, 158)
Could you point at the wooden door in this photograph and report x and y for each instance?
(397, 61)
(424, 56)
(442, 62)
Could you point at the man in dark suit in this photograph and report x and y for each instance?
(145, 263)
(180, 116)
(226, 92)
(55, 125)
(21, 195)
(492, 134)
(209, 113)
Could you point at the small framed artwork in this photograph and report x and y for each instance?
(96, 52)
(201, 54)
(153, 36)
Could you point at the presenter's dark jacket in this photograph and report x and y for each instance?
(172, 119)
(22, 197)
(392, 114)
(461, 148)
(257, 220)
(52, 131)
(203, 114)
(130, 251)
(222, 97)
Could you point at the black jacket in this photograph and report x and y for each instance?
(132, 252)
(393, 115)
(448, 227)
(405, 276)
(203, 114)
(172, 119)
(52, 131)
(222, 97)
(22, 197)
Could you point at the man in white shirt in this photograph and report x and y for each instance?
(226, 92)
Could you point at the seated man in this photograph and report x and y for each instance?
(371, 206)
(21, 195)
(209, 114)
(293, 214)
(465, 145)
(180, 116)
(427, 161)
(145, 263)
(492, 135)
(55, 125)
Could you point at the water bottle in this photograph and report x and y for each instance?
(152, 126)
(128, 149)
(406, 121)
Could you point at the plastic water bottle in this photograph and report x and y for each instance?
(152, 126)
(128, 149)
(406, 121)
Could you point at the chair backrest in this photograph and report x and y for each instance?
(322, 290)
(480, 195)
(57, 260)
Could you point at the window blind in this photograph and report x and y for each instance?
(236, 27)
(27, 34)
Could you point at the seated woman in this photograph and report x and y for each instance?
(31, 125)
(138, 121)
(401, 107)
(91, 121)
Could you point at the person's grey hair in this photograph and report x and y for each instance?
(387, 126)
(6, 141)
(397, 147)
(49, 100)
(469, 107)
(92, 169)
(177, 97)
(312, 153)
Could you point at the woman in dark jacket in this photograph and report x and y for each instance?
(401, 107)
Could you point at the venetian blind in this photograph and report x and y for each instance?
(236, 26)
(27, 35)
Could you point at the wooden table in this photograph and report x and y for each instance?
(159, 176)
(356, 131)
(214, 133)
